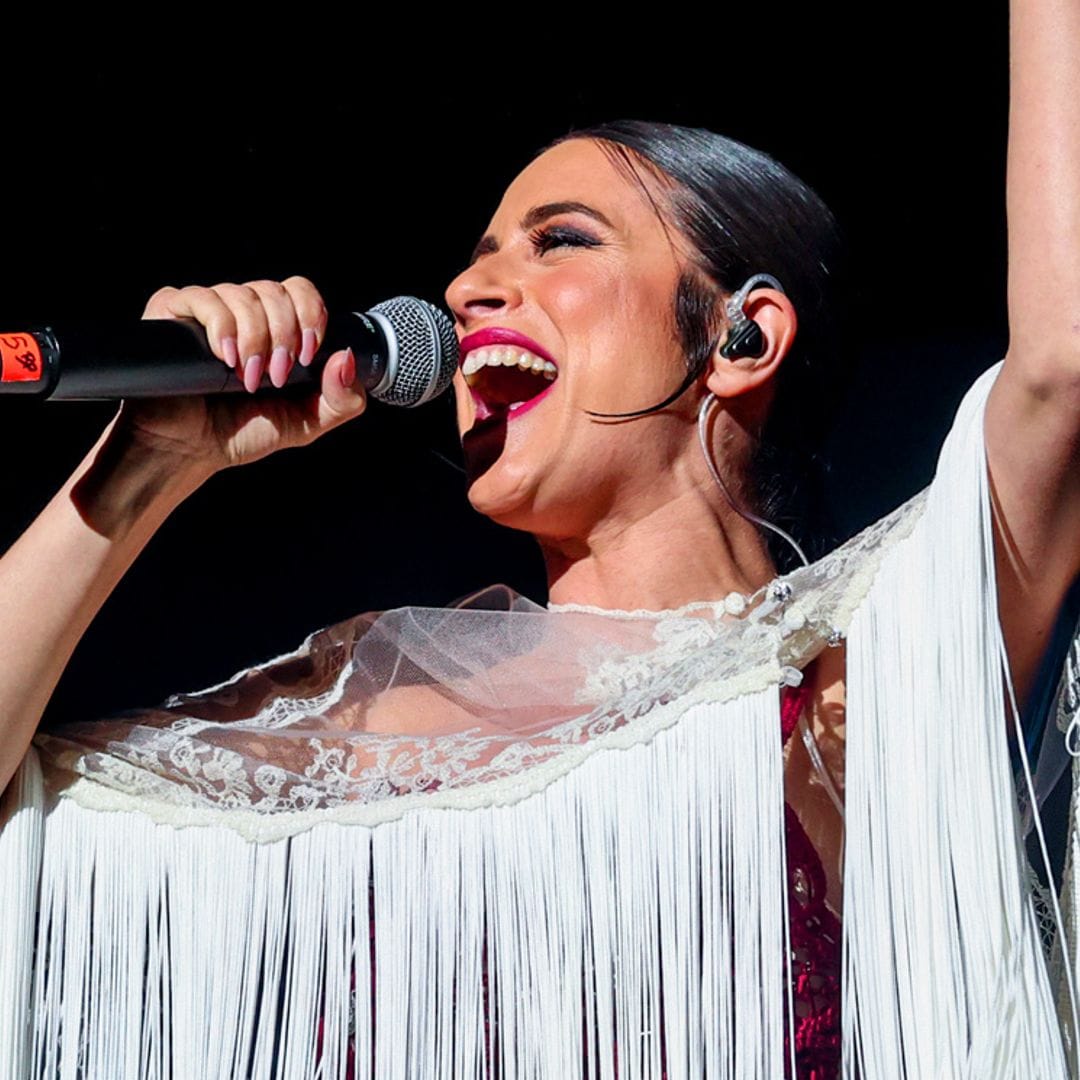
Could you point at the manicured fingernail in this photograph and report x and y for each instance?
(253, 373)
(309, 344)
(348, 370)
(279, 365)
(232, 354)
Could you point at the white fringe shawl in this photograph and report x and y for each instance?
(133, 948)
(944, 972)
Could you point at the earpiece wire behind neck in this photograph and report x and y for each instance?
(703, 421)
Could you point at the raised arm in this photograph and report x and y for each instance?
(1033, 413)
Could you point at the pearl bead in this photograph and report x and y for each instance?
(734, 603)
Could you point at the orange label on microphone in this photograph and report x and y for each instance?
(20, 358)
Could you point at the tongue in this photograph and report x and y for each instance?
(486, 410)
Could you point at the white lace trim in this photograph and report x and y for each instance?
(715, 606)
(642, 695)
(262, 828)
(280, 750)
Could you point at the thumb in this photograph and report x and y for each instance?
(341, 397)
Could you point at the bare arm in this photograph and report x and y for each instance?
(153, 454)
(1033, 413)
(56, 576)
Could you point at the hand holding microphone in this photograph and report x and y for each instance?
(246, 328)
(404, 350)
(184, 370)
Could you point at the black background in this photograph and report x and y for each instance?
(374, 173)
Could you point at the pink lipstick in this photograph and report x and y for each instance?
(500, 335)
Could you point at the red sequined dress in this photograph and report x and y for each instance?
(815, 944)
(815, 936)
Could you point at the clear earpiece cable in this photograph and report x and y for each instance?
(809, 741)
(703, 422)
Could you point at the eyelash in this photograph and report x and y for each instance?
(543, 239)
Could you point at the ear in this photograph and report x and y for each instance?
(775, 315)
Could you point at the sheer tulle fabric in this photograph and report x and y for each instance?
(475, 705)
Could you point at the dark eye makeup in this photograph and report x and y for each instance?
(549, 236)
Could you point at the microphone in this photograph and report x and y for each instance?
(406, 354)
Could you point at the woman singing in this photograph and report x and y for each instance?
(609, 837)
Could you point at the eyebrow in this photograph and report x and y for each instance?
(488, 244)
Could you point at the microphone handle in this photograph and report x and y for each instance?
(161, 358)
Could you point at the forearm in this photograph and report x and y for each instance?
(1033, 413)
(1043, 201)
(56, 576)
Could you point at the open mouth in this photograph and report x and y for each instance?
(507, 380)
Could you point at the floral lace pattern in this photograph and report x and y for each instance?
(457, 707)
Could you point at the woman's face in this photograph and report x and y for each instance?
(574, 278)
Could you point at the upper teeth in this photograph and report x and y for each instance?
(507, 356)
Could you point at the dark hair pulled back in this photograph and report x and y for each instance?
(744, 213)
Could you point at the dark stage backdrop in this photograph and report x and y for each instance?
(375, 181)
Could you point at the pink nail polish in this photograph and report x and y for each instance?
(232, 354)
(348, 370)
(308, 346)
(253, 373)
(279, 366)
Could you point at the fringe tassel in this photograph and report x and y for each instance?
(942, 959)
(21, 830)
(1065, 954)
(632, 911)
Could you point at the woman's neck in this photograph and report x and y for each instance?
(686, 549)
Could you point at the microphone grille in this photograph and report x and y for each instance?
(427, 351)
